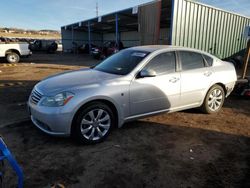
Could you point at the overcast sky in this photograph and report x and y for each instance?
(52, 14)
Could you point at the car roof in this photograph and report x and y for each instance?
(152, 48)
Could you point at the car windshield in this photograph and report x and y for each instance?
(122, 62)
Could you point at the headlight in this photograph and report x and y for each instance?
(57, 100)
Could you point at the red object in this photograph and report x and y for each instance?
(67, 100)
(247, 93)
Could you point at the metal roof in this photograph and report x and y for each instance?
(127, 20)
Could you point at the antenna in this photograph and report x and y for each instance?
(96, 8)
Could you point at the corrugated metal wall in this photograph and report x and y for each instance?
(149, 23)
(108, 37)
(206, 28)
(130, 38)
(164, 36)
(66, 39)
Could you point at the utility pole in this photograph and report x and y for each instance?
(96, 7)
(246, 59)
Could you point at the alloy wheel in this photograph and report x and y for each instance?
(215, 99)
(95, 124)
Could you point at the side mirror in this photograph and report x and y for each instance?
(147, 73)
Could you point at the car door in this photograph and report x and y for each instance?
(148, 94)
(2, 51)
(196, 77)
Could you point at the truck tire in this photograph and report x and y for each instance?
(13, 57)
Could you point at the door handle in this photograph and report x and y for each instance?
(174, 80)
(208, 73)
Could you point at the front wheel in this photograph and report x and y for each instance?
(214, 100)
(13, 57)
(93, 123)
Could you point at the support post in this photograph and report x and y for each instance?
(172, 23)
(246, 60)
(116, 29)
(157, 39)
(72, 36)
(89, 37)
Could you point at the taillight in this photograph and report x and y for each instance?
(247, 93)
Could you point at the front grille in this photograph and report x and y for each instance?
(35, 96)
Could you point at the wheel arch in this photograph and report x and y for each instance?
(12, 50)
(218, 83)
(204, 106)
(104, 101)
(222, 85)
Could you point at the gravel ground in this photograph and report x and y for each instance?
(183, 149)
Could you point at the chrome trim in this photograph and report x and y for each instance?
(35, 96)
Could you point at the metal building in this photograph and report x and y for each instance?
(175, 22)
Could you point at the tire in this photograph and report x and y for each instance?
(13, 57)
(93, 123)
(214, 100)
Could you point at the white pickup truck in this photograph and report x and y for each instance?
(13, 51)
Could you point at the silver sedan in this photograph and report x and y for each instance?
(134, 83)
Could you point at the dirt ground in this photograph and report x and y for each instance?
(183, 149)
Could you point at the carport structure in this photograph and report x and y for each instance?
(175, 22)
(98, 29)
(133, 26)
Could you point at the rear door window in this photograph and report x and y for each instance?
(191, 60)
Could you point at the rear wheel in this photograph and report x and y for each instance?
(13, 57)
(214, 100)
(93, 123)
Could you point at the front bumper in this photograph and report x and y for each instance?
(50, 120)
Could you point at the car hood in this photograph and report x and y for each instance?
(73, 79)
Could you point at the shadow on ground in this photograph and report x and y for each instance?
(141, 154)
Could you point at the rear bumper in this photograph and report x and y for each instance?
(229, 88)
